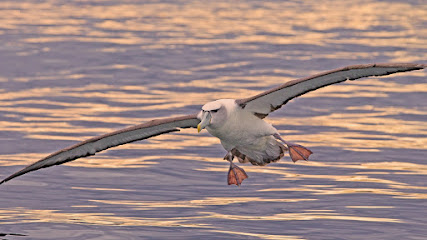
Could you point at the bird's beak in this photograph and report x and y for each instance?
(206, 120)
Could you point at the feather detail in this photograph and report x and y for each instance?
(264, 103)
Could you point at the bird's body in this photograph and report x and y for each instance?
(239, 124)
(245, 133)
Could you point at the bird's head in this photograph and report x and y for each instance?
(213, 114)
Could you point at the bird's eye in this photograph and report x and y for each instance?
(214, 111)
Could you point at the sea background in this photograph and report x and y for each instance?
(71, 70)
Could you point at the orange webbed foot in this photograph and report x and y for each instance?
(298, 152)
(236, 175)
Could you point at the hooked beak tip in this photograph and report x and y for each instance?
(204, 122)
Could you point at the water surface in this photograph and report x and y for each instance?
(70, 70)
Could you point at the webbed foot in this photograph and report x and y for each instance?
(298, 152)
(236, 175)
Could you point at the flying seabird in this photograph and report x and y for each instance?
(238, 123)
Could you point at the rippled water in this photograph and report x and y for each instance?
(70, 70)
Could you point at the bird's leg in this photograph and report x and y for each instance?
(297, 152)
(236, 175)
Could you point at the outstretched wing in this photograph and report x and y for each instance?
(264, 103)
(123, 136)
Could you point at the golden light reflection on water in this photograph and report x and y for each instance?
(258, 235)
(101, 189)
(385, 128)
(24, 215)
(304, 216)
(340, 191)
(199, 203)
(370, 207)
(52, 216)
(212, 26)
(91, 162)
(105, 219)
(208, 22)
(393, 188)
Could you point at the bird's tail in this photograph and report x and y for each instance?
(272, 151)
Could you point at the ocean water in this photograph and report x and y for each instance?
(70, 70)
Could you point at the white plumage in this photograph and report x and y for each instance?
(237, 123)
(240, 129)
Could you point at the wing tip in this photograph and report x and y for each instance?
(19, 173)
(10, 178)
(391, 65)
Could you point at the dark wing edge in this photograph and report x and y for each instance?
(264, 103)
(96, 144)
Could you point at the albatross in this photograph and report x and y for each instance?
(238, 123)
